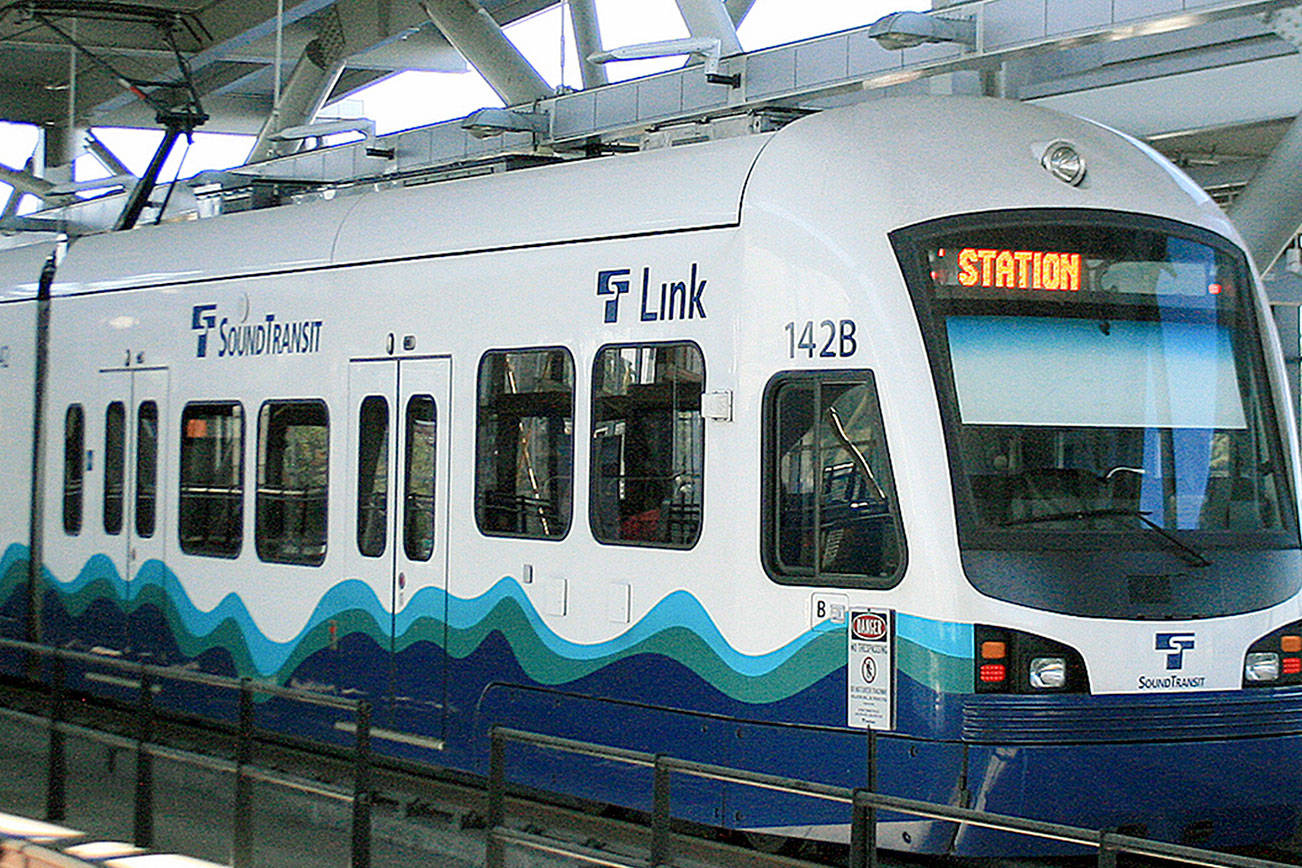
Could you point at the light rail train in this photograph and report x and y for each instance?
(955, 418)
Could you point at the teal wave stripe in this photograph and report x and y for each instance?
(677, 627)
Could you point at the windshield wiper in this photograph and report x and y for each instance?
(1191, 555)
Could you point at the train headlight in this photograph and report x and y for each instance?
(1048, 673)
(1013, 661)
(1261, 666)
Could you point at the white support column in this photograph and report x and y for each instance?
(1269, 210)
(306, 90)
(587, 32)
(737, 10)
(474, 33)
(710, 19)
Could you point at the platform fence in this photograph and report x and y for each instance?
(863, 804)
(143, 678)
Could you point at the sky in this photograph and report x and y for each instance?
(411, 99)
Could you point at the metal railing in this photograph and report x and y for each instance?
(863, 804)
(143, 677)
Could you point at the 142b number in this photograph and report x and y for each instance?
(826, 340)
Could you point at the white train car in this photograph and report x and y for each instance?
(954, 418)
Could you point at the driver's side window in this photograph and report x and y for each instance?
(830, 511)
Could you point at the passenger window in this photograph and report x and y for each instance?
(146, 467)
(524, 474)
(831, 516)
(74, 434)
(648, 445)
(373, 476)
(211, 520)
(293, 458)
(418, 489)
(114, 465)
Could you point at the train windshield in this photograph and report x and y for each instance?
(1103, 380)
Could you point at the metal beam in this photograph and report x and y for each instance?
(710, 19)
(107, 158)
(831, 68)
(587, 33)
(474, 33)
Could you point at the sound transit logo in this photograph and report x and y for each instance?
(269, 337)
(1176, 644)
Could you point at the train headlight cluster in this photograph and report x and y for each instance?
(1276, 659)
(1011, 661)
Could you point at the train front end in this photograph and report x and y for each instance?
(1093, 607)
(1121, 476)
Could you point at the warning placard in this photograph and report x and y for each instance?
(870, 674)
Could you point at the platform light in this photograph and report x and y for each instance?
(1048, 673)
(495, 121)
(901, 30)
(1261, 666)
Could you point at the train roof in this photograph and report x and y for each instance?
(913, 158)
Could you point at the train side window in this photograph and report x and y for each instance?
(830, 511)
(524, 474)
(74, 443)
(115, 456)
(648, 445)
(146, 467)
(418, 488)
(293, 465)
(373, 476)
(211, 520)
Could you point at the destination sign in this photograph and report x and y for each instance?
(1018, 269)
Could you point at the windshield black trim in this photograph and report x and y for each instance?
(909, 245)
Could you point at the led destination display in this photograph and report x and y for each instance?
(1018, 269)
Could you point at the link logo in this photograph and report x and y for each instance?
(676, 299)
(1175, 644)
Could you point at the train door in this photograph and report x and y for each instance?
(133, 493)
(400, 429)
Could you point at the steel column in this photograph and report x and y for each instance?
(587, 32)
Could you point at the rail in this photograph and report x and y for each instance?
(143, 677)
(863, 803)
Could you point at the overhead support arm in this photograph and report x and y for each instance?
(710, 19)
(587, 32)
(474, 33)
